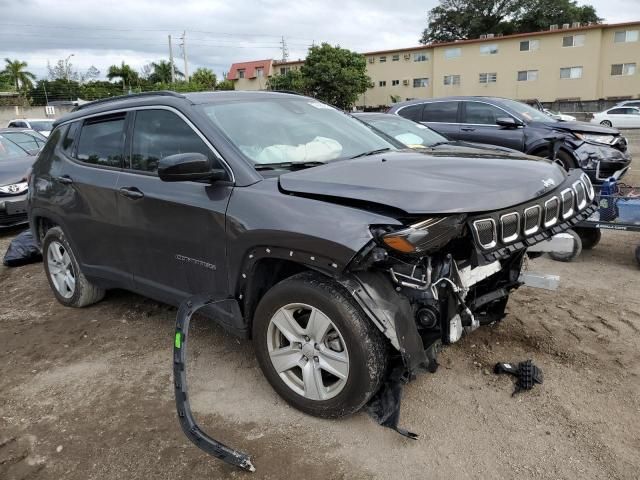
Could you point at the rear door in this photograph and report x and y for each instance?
(175, 231)
(443, 117)
(479, 125)
(618, 117)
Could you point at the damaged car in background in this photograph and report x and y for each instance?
(341, 255)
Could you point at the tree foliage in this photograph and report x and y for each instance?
(15, 74)
(161, 72)
(127, 75)
(62, 70)
(204, 77)
(225, 85)
(335, 75)
(291, 81)
(465, 19)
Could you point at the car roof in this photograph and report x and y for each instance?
(32, 120)
(167, 98)
(451, 98)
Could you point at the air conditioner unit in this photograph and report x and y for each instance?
(483, 36)
(405, 82)
(575, 25)
(407, 56)
(553, 26)
(490, 35)
(565, 25)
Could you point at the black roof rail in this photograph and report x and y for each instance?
(165, 93)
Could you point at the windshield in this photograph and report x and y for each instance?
(9, 149)
(281, 129)
(41, 125)
(408, 133)
(527, 113)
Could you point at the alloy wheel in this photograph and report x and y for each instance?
(61, 270)
(308, 351)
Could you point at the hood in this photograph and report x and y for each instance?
(14, 169)
(433, 183)
(584, 127)
(460, 147)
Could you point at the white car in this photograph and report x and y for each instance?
(560, 116)
(40, 125)
(619, 117)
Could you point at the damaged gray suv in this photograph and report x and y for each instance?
(340, 253)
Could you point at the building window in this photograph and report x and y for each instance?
(395, 82)
(573, 41)
(452, 53)
(452, 79)
(395, 58)
(529, 45)
(488, 77)
(420, 57)
(626, 36)
(372, 60)
(527, 75)
(382, 83)
(241, 73)
(623, 69)
(259, 72)
(284, 70)
(420, 82)
(382, 59)
(571, 72)
(491, 49)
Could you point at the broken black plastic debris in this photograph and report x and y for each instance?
(527, 374)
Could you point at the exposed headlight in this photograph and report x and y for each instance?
(14, 188)
(422, 237)
(592, 137)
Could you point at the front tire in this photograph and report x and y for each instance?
(571, 256)
(69, 285)
(316, 347)
(606, 123)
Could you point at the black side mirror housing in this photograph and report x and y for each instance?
(188, 166)
(508, 122)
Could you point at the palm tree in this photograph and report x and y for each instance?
(124, 72)
(14, 71)
(204, 77)
(162, 72)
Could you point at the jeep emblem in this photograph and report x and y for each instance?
(549, 182)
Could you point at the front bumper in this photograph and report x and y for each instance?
(13, 210)
(601, 161)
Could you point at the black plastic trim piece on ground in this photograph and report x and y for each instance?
(191, 429)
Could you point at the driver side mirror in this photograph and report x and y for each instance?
(508, 122)
(188, 166)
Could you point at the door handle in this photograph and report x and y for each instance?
(64, 179)
(468, 129)
(131, 192)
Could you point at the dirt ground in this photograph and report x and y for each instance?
(88, 394)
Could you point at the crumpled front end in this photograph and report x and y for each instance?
(429, 283)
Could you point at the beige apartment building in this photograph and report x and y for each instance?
(566, 62)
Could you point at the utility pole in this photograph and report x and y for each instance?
(173, 68)
(285, 50)
(184, 55)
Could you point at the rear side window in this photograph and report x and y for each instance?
(444, 112)
(101, 141)
(412, 112)
(160, 133)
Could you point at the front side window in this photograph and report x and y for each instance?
(452, 79)
(102, 140)
(452, 53)
(527, 75)
(491, 49)
(571, 72)
(444, 112)
(420, 82)
(626, 36)
(420, 57)
(488, 77)
(291, 129)
(483, 113)
(573, 41)
(623, 69)
(160, 133)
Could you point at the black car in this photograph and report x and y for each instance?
(15, 161)
(336, 252)
(599, 151)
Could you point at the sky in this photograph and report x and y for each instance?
(218, 33)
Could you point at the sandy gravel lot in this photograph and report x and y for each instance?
(87, 394)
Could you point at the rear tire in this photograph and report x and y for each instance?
(69, 285)
(569, 257)
(339, 332)
(606, 123)
(590, 236)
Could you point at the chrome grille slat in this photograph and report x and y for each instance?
(591, 193)
(567, 202)
(532, 219)
(551, 211)
(486, 232)
(509, 226)
(581, 195)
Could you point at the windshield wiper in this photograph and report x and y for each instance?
(372, 152)
(287, 165)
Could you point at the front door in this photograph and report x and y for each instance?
(479, 125)
(175, 241)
